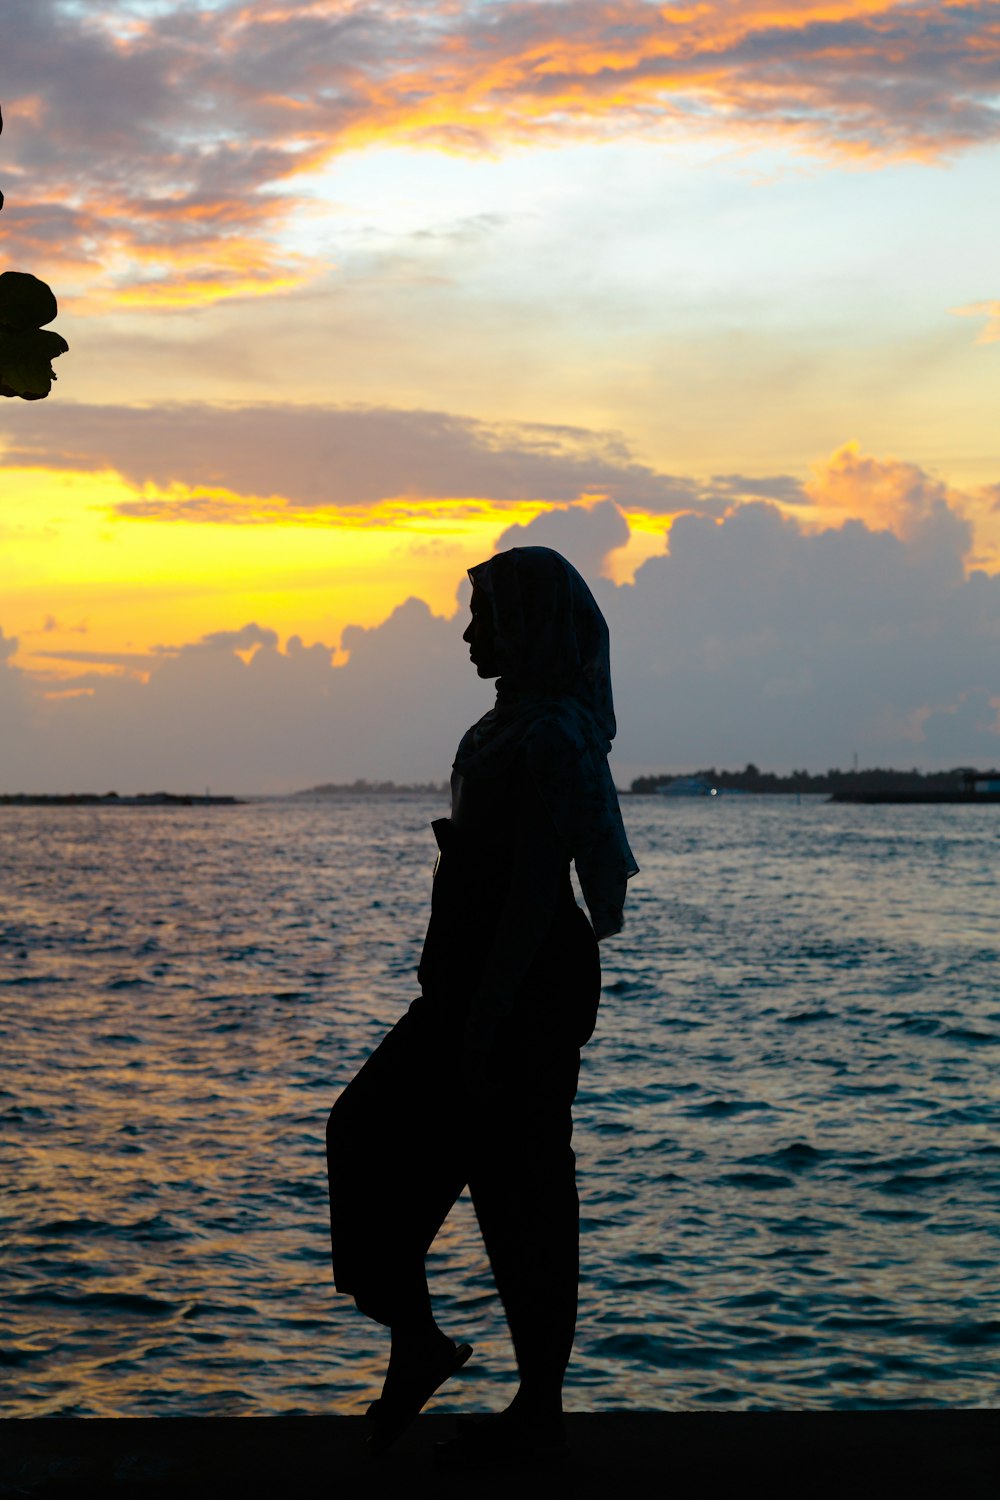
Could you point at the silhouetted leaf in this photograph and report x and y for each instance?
(26, 356)
(25, 302)
(8, 390)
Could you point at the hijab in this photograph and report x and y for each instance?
(554, 703)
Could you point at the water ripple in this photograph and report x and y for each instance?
(786, 1127)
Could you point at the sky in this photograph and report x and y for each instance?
(705, 295)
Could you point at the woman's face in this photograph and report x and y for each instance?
(479, 634)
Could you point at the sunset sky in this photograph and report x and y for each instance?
(706, 295)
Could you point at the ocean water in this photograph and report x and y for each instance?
(786, 1129)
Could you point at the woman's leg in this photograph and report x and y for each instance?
(523, 1187)
(523, 1176)
(394, 1171)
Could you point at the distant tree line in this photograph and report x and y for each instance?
(876, 779)
(369, 788)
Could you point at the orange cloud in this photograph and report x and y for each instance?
(224, 508)
(151, 145)
(888, 494)
(990, 332)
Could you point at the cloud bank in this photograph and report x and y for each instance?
(310, 457)
(756, 637)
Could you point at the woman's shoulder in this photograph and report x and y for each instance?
(552, 744)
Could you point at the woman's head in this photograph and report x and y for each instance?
(537, 625)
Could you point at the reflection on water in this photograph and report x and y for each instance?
(786, 1126)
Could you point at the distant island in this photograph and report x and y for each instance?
(375, 788)
(961, 784)
(112, 799)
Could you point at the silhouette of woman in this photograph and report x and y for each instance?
(475, 1083)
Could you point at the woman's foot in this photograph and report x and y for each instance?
(417, 1367)
(541, 1418)
(519, 1434)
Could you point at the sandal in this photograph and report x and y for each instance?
(393, 1416)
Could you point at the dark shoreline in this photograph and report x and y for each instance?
(630, 1453)
(112, 799)
(170, 799)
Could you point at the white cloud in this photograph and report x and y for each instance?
(233, 640)
(584, 534)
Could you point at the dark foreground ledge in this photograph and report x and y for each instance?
(613, 1454)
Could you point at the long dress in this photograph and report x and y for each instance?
(406, 1135)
